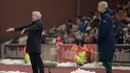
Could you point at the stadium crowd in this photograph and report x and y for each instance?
(86, 28)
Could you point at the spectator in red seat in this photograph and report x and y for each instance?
(118, 7)
(88, 40)
(59, 39)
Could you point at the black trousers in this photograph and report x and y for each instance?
(36, 62)
(107, 65)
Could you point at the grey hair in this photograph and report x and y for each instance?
(38, 14)
(103, 4)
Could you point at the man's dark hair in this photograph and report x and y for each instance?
(82, 20)
(128, 15)
(95, 23)
(79, 42)
(92, 13)
(69, 21)
(79, 17)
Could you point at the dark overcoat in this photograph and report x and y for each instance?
(34, 36)
(106, 37)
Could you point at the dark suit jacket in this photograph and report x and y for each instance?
(106, 37)
(34, 36)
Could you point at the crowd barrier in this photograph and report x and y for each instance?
(12, 51)
(63, 53)
(122, 54)
(49, 52)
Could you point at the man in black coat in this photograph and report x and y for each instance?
(106, 37)
(34, 40)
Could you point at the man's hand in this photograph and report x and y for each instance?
(23, 31)
(10, 29)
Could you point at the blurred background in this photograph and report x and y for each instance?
(55, 13)
(65, 22)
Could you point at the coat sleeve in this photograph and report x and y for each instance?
(21, 27)
(103, 28)
(35, 27)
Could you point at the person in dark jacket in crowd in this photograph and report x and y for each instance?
(106, 37)
(33, 46)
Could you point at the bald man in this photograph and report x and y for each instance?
(106, 37)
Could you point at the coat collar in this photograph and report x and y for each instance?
(108, 11)
(36, 21)
(103, 13)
